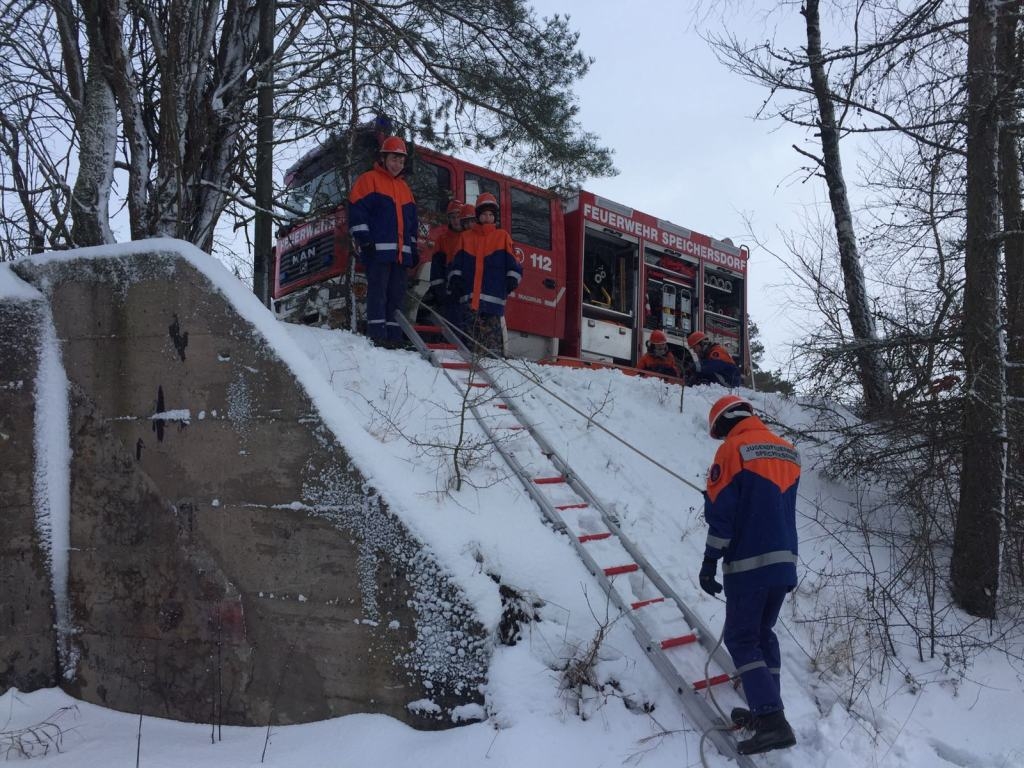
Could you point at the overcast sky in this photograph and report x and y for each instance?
(685, 144)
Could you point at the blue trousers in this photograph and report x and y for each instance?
(750, 637)
(385, 295)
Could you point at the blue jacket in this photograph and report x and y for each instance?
(382, 217)
(750, 508)
(447, 244)
(483, 261)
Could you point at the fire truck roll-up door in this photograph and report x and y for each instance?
(609, 292)
(670, 295)
(724, 309)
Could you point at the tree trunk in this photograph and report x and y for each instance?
(975, 560)
(871, 368)
(1009, 69)
(97, 126)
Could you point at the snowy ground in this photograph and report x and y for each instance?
(396, 414)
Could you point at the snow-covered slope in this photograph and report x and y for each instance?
(401, 419)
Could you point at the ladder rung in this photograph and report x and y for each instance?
(512, 428)
(441, 345)
(572, 506)
(673, 642)
(594, 537)
(716, 680)
(427, 328)
(642, 603)
(501, 405)
(548, 480)
(477, 383)
(456, 365)
(615, 570)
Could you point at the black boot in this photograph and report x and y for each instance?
(771, 731)
(741, 716)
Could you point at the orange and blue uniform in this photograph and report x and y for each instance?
(665, 365)
(382, 220)
(718, 367)
(750, 508)
(485, 269)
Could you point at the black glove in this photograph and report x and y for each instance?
(367, 250)
(456, 286)
(708, 571)
(510, 284)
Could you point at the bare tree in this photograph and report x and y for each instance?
(873, 374)
(975, 563)
(1009, 63)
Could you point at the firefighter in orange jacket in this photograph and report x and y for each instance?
(716, 366)
(447, 245)
(750, 508)
(482, 275)
(659, 358)
(382, 221)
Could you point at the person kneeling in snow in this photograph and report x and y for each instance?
(750, 508)
(659, 358)
(715, 365)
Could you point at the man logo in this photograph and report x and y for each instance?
(714, 473)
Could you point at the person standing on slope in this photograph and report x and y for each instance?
(750, 508)
(382, 221)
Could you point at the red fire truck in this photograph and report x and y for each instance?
(598, 276)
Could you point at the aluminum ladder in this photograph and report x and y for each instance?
(666, 628)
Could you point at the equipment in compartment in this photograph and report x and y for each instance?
(723, 309)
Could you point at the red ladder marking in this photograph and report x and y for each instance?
(548, 480)
(716, 680)
(477, 383)
(673, 642)
(642, 603)
(594, 537)
(572, 506)
(501, 405)
(514, 429)
(427, 328)
(456, 366)
(441, 345)
(615, 570)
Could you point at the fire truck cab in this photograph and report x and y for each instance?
(631, 273)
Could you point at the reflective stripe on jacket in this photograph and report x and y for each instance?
(750, 508)
(382, 217)
(483, 261)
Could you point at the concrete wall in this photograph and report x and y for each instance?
(27, 643)
(228, 562)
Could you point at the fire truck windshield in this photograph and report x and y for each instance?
(322, 194)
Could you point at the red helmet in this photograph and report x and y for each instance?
(468, 211)
(454, 207)
(724, 409)
(695, 338)
(658, 337)
(486, 200)
(393, 146)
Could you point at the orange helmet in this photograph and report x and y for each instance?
(393, 146)
(468, 211)
(658, 337)
(454, 207)
(725, 409)
(695, 338)
(486, 200)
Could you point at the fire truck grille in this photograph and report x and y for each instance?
(307, 259)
